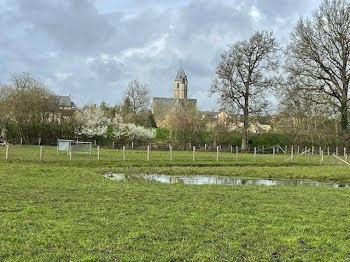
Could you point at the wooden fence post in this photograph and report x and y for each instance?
(285, 149)
(39, 141)
(98, 153)
(123, 153)
(344, 151)
(21, 141)
(7, 153)
(328, 150)
(305, 151)
(273, 153)
(312, 150)
(70, 155)
(171, 153)
(41, 154)
(148, 153)
(298, 150)
(321, 157)
(236, 153)
(132, 145)
(113, 144)
(194, 154)
(217, 153)
(291, 153)
(205, 148)
(254, 153)
(231, 149)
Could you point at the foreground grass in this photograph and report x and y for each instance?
(63, 210)
(53, 213)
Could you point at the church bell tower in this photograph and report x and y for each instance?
(180, 84)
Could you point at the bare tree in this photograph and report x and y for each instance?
(24, 101)
(4, 114)
(301, 117)
(243, 75)
(184, 123)
(319, 55)
(139, 96)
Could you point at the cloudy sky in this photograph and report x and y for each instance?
(93, 48)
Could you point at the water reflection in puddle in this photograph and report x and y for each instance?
(216, 180)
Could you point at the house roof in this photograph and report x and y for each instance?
(209, 113)
(164, 100)
(65, 101)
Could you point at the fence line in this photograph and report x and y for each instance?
(48, 155)
(341, 160)
(138, 145)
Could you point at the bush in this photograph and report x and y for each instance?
(163, 135)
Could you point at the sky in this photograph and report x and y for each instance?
(92, 49)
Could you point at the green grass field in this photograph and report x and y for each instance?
(62, 210)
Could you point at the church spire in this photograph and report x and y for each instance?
(180, 84)
(181, 75)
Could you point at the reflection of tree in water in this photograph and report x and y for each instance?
(175, 180)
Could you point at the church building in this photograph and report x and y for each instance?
(162, 107)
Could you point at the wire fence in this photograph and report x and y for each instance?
(133, 154)
(260, 149)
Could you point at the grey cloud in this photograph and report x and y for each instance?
(72, 25)
(109, 70)
(78, 49)
(138, 30)
(283, 8)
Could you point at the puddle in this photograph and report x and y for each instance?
(112, 176)
(217, 180)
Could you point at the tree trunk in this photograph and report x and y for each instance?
(344, 117)
(245, 138)
(3, 134)
(344, 122)
(245, 126)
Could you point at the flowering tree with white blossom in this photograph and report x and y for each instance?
(132, 132)
(94, 123)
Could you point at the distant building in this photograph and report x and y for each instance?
(66, 108)
(65, 102)
(232, 121)
(180, 84)
(162, 107)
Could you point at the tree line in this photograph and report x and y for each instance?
(30, 111)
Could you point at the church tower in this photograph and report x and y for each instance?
(180, 84)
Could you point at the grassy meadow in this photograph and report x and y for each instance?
(62, 210)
